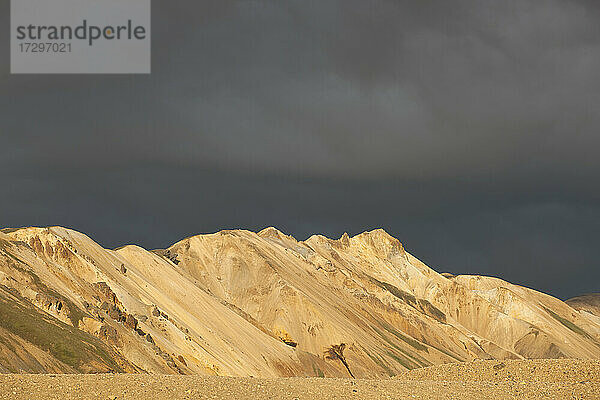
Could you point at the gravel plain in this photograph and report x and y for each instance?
(547, 379)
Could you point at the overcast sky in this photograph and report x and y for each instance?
(470, 130)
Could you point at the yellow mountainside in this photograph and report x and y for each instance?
(263, 304)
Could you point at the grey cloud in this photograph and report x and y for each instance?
(466, 128)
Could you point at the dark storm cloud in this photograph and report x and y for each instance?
(468, 129)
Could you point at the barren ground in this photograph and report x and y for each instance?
(548, 379)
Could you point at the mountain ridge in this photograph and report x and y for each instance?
(241, 303)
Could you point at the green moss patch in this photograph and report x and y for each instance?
(381, 363)
(67, 344)
(317, 371)
(569, 324)
(420, 304)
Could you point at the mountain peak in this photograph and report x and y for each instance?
(381, 241)
(274, 233)
(345, 239)
(270, 231)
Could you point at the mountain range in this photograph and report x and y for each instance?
(240, 303)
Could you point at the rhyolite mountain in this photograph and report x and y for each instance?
(589, 303)
(263, 304)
